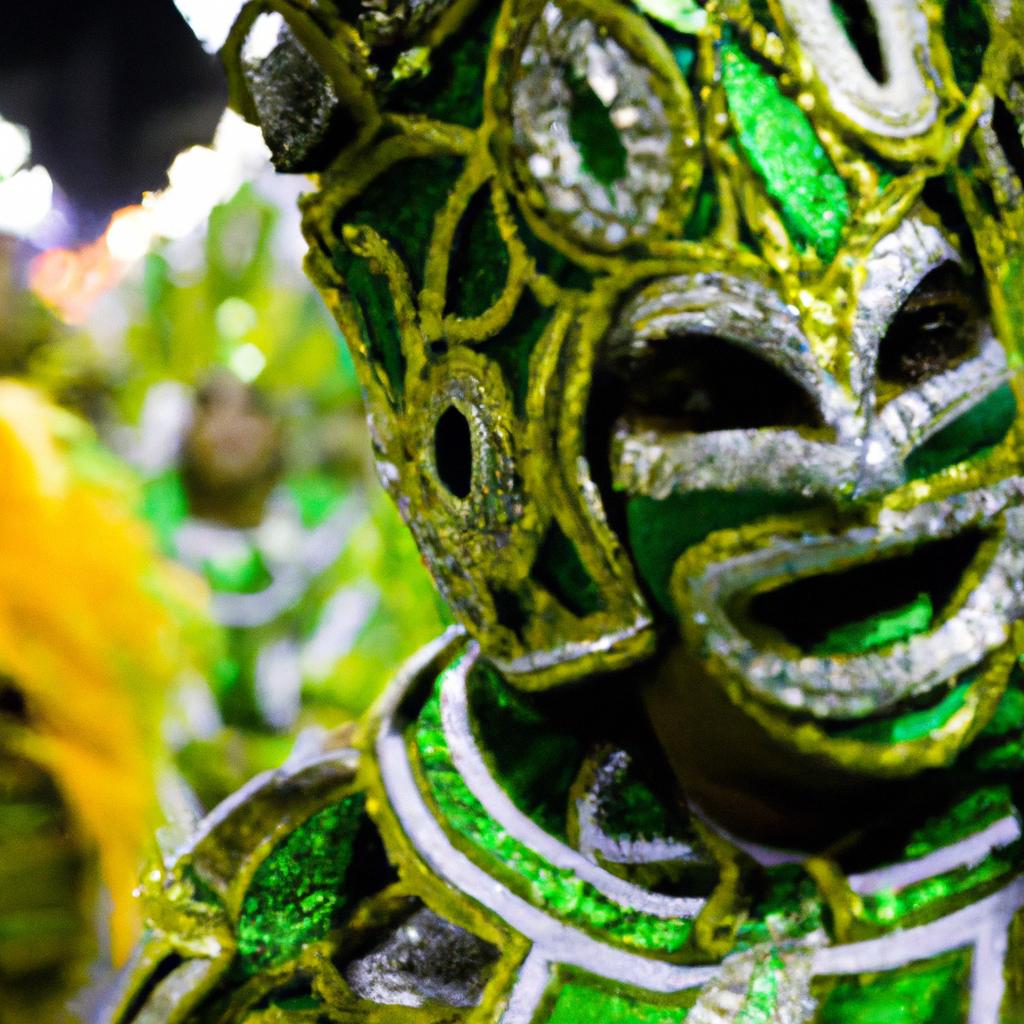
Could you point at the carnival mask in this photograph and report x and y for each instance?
(685, 324)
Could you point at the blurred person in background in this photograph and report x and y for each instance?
(96, 632)
(108, 675)
(293, 599)
(256, 460)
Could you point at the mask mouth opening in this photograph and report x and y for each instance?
(865, 607)
(689, 385)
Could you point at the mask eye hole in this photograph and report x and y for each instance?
(699, 384)
(934, 330)
(453, 452)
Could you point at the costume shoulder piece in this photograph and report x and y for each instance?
(481, 863)
(285, 903)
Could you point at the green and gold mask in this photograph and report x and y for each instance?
(686, 321)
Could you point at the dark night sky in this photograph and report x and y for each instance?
(110, 90)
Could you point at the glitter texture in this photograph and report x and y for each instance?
(932, 897)
(782, 147)
(931, 993)
(534, 763)
(699, 283)
(971, 814)
(298, 894)
(972, 435)
(885, 628)
(583, 1004)
(558, 890)
(765, 985)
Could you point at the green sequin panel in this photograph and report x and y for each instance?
(967, 36)
(880, 630)
(290, 1003)
(786, 904)
(558, 890)
(513, 345)
(784, 151)
(705, 209)
(930, 993)
(972, 435)
(1001, 744)
(578, 1003)
(661, 530)
(977, 811)
(942, 894)
(1005, 756)
(405, 218)
(375, 310)
(479, 260)
(453, 89)
(762, 998)
(597, 139)
(534, 763)
(560, 570)
(550, 261)
(404, 215)
(1009, 716)
(298, 893)
(913, 725)
(630, 809)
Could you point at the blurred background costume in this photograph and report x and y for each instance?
(269, 551)
(95, 630)
(690, 338)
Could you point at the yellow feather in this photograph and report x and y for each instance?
(94, 629)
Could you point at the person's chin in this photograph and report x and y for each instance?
(729, 768)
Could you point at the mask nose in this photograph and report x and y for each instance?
(880, 467)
